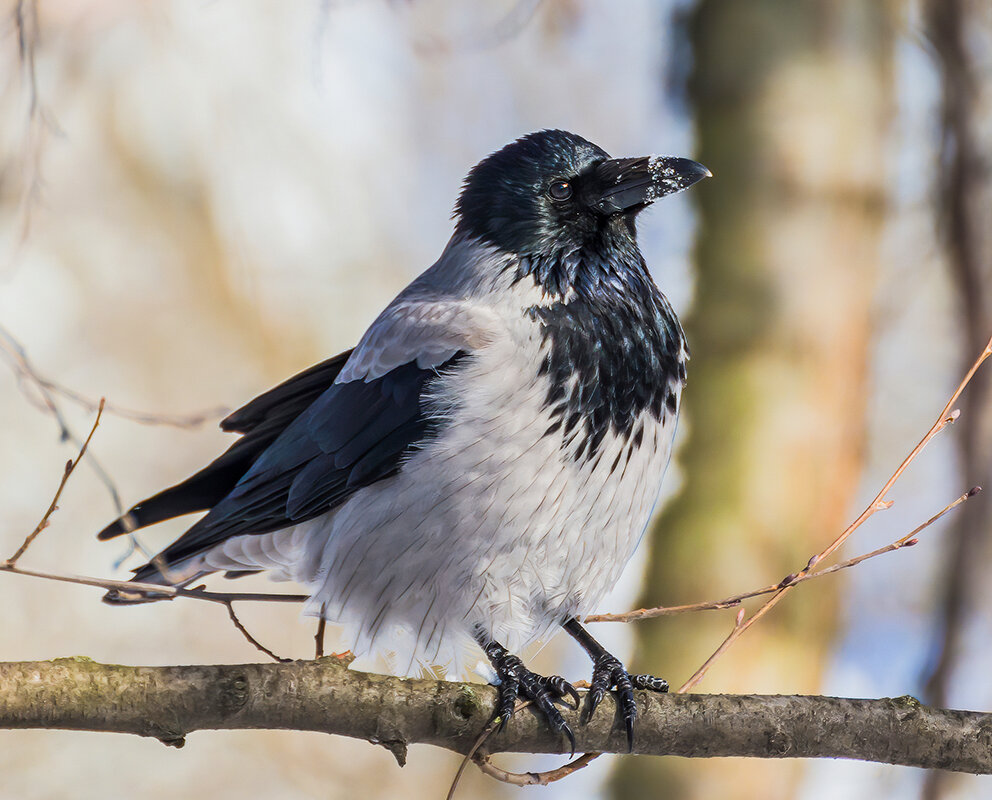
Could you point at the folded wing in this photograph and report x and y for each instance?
(316, 439)
(261, 421)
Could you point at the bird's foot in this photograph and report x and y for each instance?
(608, 673)
(516, 680)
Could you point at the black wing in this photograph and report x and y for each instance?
(353, 435)
(261, 421)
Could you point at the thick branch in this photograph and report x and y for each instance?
(169, 702)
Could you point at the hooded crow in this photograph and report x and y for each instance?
(478, 470)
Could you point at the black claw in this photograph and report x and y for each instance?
(516, 679)
(560, 688)
(628, 705)
(508, 689)
(602, 681)
(608, 673)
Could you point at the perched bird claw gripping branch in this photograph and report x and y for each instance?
(480, 468)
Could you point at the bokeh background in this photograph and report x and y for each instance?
(198, 199)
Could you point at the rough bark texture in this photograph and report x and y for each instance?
(168, 703)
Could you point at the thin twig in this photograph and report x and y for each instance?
(735, 600)
(879, 503)
(10, 564)
(26, 22)
(156, 591)
(483, 762)
(533, 778)
(39, 121)
(17, 357)
(906, 541)
(469, 756)
(251, 639)
(319, 635)
(14, 353)
(69, 468)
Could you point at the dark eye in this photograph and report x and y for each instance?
(560, 190)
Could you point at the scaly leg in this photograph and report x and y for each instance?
(515, 679)
(607, 673)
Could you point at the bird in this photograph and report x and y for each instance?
(478, 469)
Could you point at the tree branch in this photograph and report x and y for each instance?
(167, 703)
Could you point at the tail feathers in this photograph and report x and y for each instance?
(198, 492)
(121, 525)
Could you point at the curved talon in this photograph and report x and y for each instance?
(542, 691)
(508, 690)
(627, 703)
(609, 673)
(560, 687)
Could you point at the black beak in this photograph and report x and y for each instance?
(621, 184)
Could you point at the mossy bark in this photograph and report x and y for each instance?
(168, 703)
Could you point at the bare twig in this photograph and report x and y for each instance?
(533, 778)
(318, 637)
(735, 600)
(26, 23)
(16, 355)
(879, 503)
(69, 468)
(39, 121)
(470, 755)
(156, 591)
(251, 639)
(511, 25)
(485, 765)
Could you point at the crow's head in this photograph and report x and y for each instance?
(554, 191)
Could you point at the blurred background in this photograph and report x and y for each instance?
(198, 199)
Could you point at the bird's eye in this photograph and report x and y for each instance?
(560, 190)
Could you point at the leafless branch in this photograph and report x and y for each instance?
(227, 599)
(16, 355)
(485, 763)
(251, 639)
(69, 468)
(168, 703)
(735, 600)
(879, 503)
(26, 23)
(318, 637)
(40, 122)
(155, 590)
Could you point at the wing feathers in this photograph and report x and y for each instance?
(302, 474)
(312, 441)
(262, 421)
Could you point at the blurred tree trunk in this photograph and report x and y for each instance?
(961, 34)
(792, 100)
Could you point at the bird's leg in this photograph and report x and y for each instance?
(516, 680)
(607, 673)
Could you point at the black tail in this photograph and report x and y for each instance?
(261, 421)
